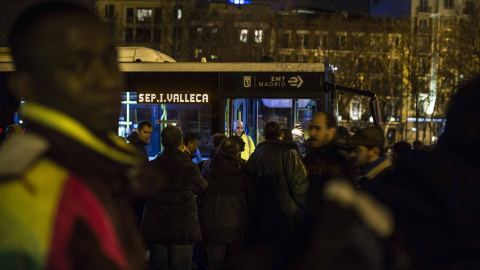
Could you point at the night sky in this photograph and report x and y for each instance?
(390, 8)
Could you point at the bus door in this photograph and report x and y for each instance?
(256, 112)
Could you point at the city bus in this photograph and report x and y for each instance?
(206, 98)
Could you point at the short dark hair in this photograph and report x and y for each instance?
(25, 31)
(144, 123)
(272, 130)
(217, 139)
(171, 137)
(189, 137)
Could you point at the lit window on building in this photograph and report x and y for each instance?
(243, 35)
(355, 110)
(144, 15)
(179, 13)
(258, 36)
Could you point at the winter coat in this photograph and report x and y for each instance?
(225, 205)
(139, 144)
(65, 198)
(170, 216)
(281, 186)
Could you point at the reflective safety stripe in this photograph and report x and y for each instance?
(73, 129)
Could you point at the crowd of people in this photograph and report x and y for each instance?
(70, 189)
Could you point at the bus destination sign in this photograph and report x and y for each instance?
(173, 98)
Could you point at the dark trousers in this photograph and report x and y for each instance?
(218, 253)
(171, 257)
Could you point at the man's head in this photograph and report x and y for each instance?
(172, 137)
(238, 127)
(191, 142)
(368, 145)
(323, 128)
(144, 130)
(65, 61)
(272, 130)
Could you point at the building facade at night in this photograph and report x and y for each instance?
(412, 63)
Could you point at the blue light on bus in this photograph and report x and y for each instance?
(239, 2)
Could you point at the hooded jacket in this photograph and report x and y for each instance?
(280, 187)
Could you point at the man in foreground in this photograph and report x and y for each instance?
(66, 196)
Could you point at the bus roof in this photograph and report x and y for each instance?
(221, 67)
(206, 67)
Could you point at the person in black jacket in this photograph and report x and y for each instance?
(170, 223)
(140, 138)
(281, 186)
(225, 205)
